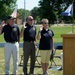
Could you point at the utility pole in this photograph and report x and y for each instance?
(24, 11)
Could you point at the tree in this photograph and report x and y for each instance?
(61, 6)
(21, 13)
(46, 10)
(35, 14)
(6, 7)
(52, 8)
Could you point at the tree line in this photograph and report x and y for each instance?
(50, 9)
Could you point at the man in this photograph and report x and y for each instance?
(29, 34)
(11, 36)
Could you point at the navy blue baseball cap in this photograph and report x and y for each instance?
(10, 17)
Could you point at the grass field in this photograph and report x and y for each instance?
(38, 69)
(58, 30)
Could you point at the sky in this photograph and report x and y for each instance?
(30, 4)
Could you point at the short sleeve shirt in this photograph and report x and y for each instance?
(46, 39)
(29, 33)
(11, 33)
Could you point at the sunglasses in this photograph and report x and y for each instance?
(30, 19)
(45, 23)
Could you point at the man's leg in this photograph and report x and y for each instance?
(26, 52)
(7, 55)
(32, 56)
(15, 56)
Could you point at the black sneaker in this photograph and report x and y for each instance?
(25, 74)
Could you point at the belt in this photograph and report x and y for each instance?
(12, 42)
(29, 41)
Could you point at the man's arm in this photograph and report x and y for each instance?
(18, 35)
(1, 28)
(19, 39)
(22, 30)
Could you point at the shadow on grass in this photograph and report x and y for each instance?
(21, 65)
(38, 74)
(36, 66)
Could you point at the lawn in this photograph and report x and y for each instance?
(38, 69)
(58, 30)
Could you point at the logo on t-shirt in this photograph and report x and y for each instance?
(33, 28)
(50, 32)
(14, 29)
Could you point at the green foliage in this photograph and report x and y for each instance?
(46, 10)
(6, 7)
(34, 12)
(52, 8)
(22, 13)
(61, 6)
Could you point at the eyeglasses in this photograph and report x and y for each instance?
(30, 19)
(45, 23)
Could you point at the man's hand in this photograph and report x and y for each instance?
(1, 27)
(3, 23)
(53, 49)
(39, 33)
(41, 27)
(24, 25)
(22, 30)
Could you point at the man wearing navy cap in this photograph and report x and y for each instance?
(11, 36)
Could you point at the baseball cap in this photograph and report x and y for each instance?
(10, 17)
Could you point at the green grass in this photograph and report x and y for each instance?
(38, 69)
(58, 30)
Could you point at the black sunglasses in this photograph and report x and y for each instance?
(30, 19)
(45, 23)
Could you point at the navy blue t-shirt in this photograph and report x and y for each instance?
(46, 39)
(11, 33)
(29, 33)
